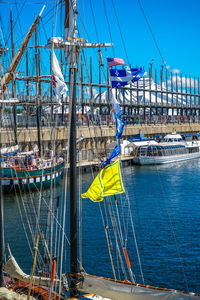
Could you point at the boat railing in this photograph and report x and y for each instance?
(23, 164)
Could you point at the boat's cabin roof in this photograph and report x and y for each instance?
(144, 143)
(173, 137)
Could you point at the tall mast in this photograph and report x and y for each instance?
(1, 212)
(71, 56)
(37, 95)
(1, 221)
(2, 50)
(13, 81)
(72, 47)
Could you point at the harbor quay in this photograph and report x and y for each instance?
(92, 141)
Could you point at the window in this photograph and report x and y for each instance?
(5, 182)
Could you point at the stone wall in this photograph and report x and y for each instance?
(94, 137)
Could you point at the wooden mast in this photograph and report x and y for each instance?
(37, 95)
(13, 81)
(70, 24)
(72, 47)
(2, 50)
(1, 219)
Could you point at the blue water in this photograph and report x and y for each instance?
(165, 205)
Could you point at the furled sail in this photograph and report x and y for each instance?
(127, 291)
(11, 295)
(12, 268)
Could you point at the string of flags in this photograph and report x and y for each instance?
(122, 77)
(109, 182)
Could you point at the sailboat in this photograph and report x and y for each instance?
(110, 288)
(26, 170)
(79, 280)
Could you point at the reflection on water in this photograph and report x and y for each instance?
(166, 209)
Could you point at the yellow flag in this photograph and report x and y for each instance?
(108, 182)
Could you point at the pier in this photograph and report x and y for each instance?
(160, 103)
(93, 137)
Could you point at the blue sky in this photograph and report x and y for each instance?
(175, 24)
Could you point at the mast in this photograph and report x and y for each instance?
(1, 219)
(72, 47)
(2, 50)
(72, 55)
(13, 81)
(1, 224)
(37, 94)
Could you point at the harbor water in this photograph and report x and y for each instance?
(165, 205)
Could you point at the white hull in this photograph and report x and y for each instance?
(157, 160)
(116, 290)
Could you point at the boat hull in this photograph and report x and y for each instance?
(158, 160)
(115, 290)
(15, 179)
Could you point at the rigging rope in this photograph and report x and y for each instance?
(18, 15)
(108, 26)
(113, 221)
(106, 228)
(95, 26)
(151, 31)
(172, 230)
(120, 31)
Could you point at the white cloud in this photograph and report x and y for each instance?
(175, 71)
(185, 81)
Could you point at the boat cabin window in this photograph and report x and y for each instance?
(171, 140)
(164, 150)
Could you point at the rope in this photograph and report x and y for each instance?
(151, 31)
(120, 31)
(133, 231)
(106, 228)
(116, 239)
(18, 14)
(108, 26)
(172, 230)
(66, 178)
(95, 26)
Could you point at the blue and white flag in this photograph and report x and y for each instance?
(115, 104)
(119, 127)
(125, 76)
(116, 152)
